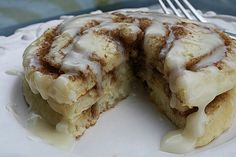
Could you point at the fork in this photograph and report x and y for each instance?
(185, 12)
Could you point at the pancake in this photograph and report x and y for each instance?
(220, 112)
(85, 66)
(72, 118)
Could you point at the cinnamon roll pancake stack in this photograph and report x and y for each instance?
(85, 66)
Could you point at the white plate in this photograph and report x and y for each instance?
(132, 129)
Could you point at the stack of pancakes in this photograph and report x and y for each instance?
(84, 66)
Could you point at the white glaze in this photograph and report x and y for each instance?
(175, 142)
(77, 58)
(156, 28)
(73, 25)
(39, 127)
(14, 72)
(216, 56)
(169, 41)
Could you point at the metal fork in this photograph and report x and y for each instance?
(185, 12)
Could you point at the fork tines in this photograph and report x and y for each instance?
(177, 7)
(181, 5)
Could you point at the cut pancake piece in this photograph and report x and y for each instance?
(184, 93)
(220, 111)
